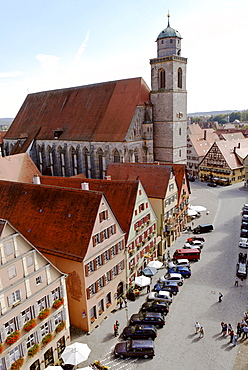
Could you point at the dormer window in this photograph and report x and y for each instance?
(57, 133)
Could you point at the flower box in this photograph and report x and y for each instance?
(44, 314)
(47, 339)
(58, 303)
(60, 326)
(33, 350)
(13, 337)
(29, 325)
(17, 364)
(92, 320)
(108, 304)
(1, 348)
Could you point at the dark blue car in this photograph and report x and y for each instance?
(184, 271)
(172, 288)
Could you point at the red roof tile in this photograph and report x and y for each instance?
(154, 179)
(99, 112)
(121, 195)
(57, 221)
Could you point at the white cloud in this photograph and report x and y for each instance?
(11, 74)
(50, 63)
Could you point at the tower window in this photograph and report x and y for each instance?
(171, 41)
(180, 153)
(180, 131)
(162, 79)
(179, 78)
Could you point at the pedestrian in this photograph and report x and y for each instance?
(201, 331)
(197, 327)
(222, 324)
(235, 339)
(245, 332)
(117, 324)
(125, 300)
(224, 329)
(231, 333)
(121, 302)
(241, 281)
(239, 330)
(148, 289)
(115, 330)
(236, 281)
(220, 296)
(229, 328)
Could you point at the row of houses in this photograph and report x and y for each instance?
(92, 238)
(217, 156)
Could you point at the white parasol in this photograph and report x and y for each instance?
(142, 281)
(156, 264)
(75, 353)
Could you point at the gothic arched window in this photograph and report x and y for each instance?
(162, 79)
(136, 156)
(100, 163)
(179, 78)
(74, 161)
(62, 161)
(117, 157)
(51, 159)
(86, 154)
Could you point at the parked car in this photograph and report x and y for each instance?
(155, 306)
(244, 218)
(212, 184)
(162, 295)
(244, 233)
(189, 246)
(184, 271)
(172, 287)
(203, 229)
(172, 277)
(245, 206)
(194, 237)
(245, 211)
(194, 244)
(148, 318)
(242, 270)
(244, 225)
(190, 254)
(180, 262)
(140, 332)
(135, 348)
(243, 242)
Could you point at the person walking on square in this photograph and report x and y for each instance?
(201, 331)
(115, 330)
(125, 300)
(220, 296)
(197, 327)
(121, 303)
(148, 289)
(236, 281)
(239, 330)
(231, 333)
(229, 328)
(235, 339)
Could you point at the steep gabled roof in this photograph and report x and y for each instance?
(98, 112)
(121, 195)
(155, 179)
(56, 220)
(229, 149)
(18, 167)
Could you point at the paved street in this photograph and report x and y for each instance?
(177, 345)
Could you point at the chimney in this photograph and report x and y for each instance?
(84, 186)
(107, 177)
(205, 135)
(36, 179)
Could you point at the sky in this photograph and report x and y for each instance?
(47, 45)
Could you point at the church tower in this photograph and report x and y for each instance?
(169, 98)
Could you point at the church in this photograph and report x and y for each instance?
(83, 129)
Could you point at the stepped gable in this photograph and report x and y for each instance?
(154, 179)
(98, 112)
(57, 221)
(121, 195)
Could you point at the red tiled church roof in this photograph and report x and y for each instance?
(121, 195)
(57, 221)
(154, 179)
(98, 112)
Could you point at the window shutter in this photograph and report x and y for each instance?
(64, 314)
(88, 293)
(104, 280)
(7, 361)
(21, 294)
(97, 286)
(110, 253)
(3, 333)
(101, 216)
(114, 228)
(103, 259)
(87, 270)
(52, 324)
(24, 348)
(10, 300)
(101, 236)
(107, 214)
(116, 248)
(39, 336)
(111, 274)
(117, 269)
(94, 241)
(36, 309)
(49, 299)
(95, 264)
(61, 291)
(19, 321)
